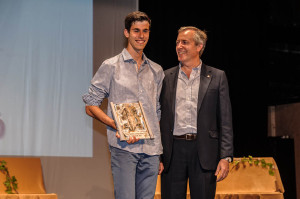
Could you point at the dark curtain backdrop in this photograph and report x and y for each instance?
(257, 44)
(236, 44)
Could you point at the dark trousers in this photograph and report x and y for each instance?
(185, 165)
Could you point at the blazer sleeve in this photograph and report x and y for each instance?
(226, 142)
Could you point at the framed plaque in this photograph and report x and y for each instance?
(131, 121)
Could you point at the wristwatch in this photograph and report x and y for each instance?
(229, 159)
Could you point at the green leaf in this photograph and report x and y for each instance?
(263, 163)
(271, 172)
(3, 163)
(244, 159)
(15, 186)
(251, 160)
(6, 183)
(2, 166)
(13, 179)
(270, 165)
(8, 189)
(11, 182)
(236, 162)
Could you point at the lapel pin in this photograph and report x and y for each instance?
(208, 76)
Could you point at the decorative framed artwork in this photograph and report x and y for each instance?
(131, 121)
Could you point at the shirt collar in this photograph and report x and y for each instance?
(127, 57)
(196, 69)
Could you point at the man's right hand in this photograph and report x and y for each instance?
(161, 168)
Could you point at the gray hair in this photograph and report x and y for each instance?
(200, 36)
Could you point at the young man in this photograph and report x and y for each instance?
(125, 78)
(196, 123)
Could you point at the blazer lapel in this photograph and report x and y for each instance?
(173, 87)
(205, 79)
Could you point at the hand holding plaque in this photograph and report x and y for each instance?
(131, 121)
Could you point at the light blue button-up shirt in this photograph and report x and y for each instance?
(119, 80)
(186, 102)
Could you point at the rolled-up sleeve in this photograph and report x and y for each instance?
(100, 84)
(94, 97)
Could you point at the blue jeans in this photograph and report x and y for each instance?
(134, 174)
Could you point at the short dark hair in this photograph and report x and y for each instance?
(136, 16)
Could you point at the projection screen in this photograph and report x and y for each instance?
(45, 68)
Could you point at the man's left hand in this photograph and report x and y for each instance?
(132, 139)
(222, 170)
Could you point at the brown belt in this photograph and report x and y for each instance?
(188, 136)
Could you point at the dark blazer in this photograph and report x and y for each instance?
(214, 120)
